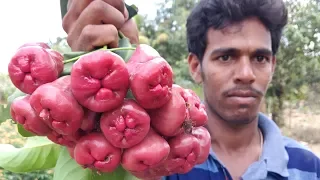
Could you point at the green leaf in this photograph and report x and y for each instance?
(73, 57)
(24, 132)
(130, 95)
(132, 10)
(68, 66)
(4, 112)
(14, 95)
(39, 153)
(67, 168)
(125, 54)
(5, 108)
(17, 93)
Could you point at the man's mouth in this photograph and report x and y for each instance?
(243, 94)
(244, 97)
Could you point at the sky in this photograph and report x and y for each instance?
(39, 20)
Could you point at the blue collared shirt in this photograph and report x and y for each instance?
(282, 159)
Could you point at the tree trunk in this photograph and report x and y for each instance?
(278, 107)
(263, 106)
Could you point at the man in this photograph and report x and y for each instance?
(232, 46)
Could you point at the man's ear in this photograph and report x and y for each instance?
(195, 68)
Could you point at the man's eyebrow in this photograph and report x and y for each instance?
(261, 51)
(264, 51)
(224, 51)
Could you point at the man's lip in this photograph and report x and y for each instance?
(242, 94)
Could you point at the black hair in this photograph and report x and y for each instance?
(218, 14)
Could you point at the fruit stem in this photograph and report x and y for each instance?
(121, 35)
(104, 48)
(187, 126)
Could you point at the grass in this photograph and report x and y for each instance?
(303, 125)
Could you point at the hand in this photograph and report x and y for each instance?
(94, 23)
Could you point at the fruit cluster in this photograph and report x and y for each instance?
(109, 112)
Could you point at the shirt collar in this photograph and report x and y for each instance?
(274, 154)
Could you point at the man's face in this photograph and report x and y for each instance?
(236, 69)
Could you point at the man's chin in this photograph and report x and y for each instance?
(234, 115)
(240, 118)
(239, 122)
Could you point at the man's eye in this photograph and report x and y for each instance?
(261, 59)
(224, 58)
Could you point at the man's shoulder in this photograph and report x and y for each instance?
(301, 158)
(293, 147)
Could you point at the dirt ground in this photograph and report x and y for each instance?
(304, 126)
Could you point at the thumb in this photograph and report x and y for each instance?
(130, 30)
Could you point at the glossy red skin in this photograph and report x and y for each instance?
(22, 112)
(41, 44)
(197, 110)
(204, 138)
(32, 66)
(89, 120)
(95, 152)
(168, 119)
(143, 53)
(151, 77)
(153, 173)
(184, 153)
(100, 81)
(55, 104)
(125, 126)
(151, 82)
(150, 152)
(55, 54)
(58, 57)
(148, 175)
(69, 140)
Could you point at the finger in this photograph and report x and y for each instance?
(98, 12)
(130, 30)
(77, 7)
(80, 5)
(93, 36)
(125, 13)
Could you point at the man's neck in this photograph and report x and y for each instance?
(233, 138)
(237, 147)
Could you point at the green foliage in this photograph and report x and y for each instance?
(5, 108)
(4, 113)
(125, 54)
(6, 87)
(298, 60)
(23, 132)
(38, 153)
(67, 168)
(132, 10)
(167, 34)
(68, 66)
(35, 175)
(300, 48)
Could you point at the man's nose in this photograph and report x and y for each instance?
(244, 72)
